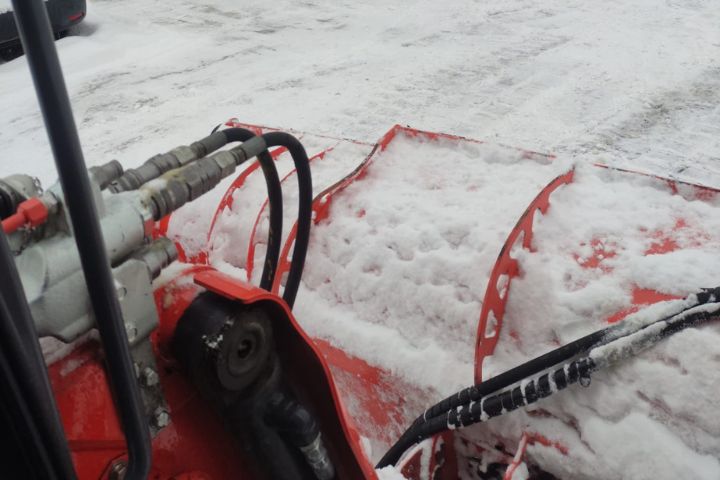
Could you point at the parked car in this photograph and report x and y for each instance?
(63, 15)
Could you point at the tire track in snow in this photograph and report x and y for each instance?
(677, 132)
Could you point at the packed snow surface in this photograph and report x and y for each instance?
(397, 274)
(632, 83)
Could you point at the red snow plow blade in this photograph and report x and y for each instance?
(367, 393)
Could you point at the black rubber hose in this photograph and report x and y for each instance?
(296, 424)
(479, 408)
(304, 177)
(491, 406)
(543, 362)
(37, 40)
(275, 204)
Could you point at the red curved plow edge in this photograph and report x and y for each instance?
(321, 204)
(227, 199)
(493, 306)
(494, 303)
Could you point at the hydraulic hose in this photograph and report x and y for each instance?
(275, 203)
(177, 186)
(297, 425)
(545, 361)
(491, 406)
(37, 40)
(302, 167)
(620, 342)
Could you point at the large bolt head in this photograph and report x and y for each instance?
(161, 418)
(149, 377)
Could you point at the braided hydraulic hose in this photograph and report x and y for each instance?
(549, 359)
(615, 343)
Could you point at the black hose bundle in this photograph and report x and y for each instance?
(302, 166)
(304, 176)
(522, 386)
(190, 155)
(275, 203)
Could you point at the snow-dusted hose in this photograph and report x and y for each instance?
(304, 177)
(554, 357)
(620, 342)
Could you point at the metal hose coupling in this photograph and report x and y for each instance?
(297, 425)
(175, 188)
(178, 157)
(105, 175)
(317, 457)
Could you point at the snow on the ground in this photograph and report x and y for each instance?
(633, 84)
(629, 82)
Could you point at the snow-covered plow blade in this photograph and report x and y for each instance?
(432, 262)
(420, 276)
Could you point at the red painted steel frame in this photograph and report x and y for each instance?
(493, 306)
(303, 365)
(195, 444)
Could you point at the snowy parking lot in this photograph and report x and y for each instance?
(632, 83)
